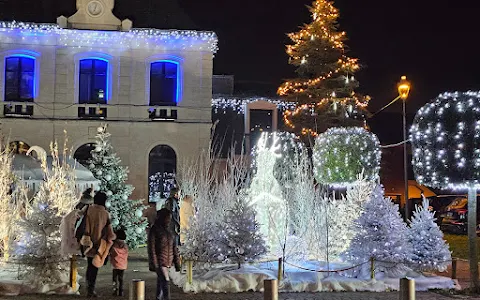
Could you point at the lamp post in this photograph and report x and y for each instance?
(403, 91)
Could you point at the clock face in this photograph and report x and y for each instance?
(95, 8)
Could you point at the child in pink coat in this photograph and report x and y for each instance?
(119, 261)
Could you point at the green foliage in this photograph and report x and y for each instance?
(125, 213)
(340, 155)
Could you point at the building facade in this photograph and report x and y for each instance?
(152, 87)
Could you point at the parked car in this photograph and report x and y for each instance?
(454, 219)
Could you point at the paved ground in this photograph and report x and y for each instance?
(138, 269)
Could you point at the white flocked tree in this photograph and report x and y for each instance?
(381, 235)
(430, 251)
(125, 213)
(37, 245)
(7, 205)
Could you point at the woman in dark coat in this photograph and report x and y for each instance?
(162, 252)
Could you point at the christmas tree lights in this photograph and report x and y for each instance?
(325, 89)
(341, 154)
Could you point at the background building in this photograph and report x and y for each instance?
(152, 87)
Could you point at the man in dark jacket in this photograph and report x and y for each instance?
(173, 205)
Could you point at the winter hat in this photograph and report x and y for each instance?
(87, 197)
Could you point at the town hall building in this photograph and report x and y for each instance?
(152, 87)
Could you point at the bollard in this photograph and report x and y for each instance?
(137, 290)
(407, 289)
(454, 268)
(372, 268)
(189, 271)
(280, 269)
(270, 289)
(73, 272)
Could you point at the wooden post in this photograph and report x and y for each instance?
(6, 250)
(270, 289)
(454, 268)
(407, 289)
(372, 268)
(73, 272)
(137, 290)
(189, 271)
(280, 269)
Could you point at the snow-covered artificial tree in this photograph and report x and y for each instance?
(38, 236)
(430, 251)
(241, 240)
(125, 213)
(381, 235)
(214, 190)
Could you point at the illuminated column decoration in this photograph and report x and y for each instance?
(445, 138)
(340, 155)
(266, 193)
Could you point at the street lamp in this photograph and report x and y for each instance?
(403, 91)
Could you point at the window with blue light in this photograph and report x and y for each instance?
(19, 79)
(93, 81)
(163, 83)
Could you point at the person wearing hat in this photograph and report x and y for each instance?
(68, 226)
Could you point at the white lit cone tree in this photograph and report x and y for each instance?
(38, 232)
(430, 251)
(125, 213)
(381, 234)
(445, 140)
(266, 194)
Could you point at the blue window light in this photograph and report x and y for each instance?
(164, 85)
(20, 79)
(93, 81)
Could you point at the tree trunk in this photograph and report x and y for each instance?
(472, 239)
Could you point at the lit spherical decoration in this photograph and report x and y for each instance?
(108, 177)
(108, 204)
(341, 154)
(109, 193)
(291, 147)
(445, 138)
(139, 213)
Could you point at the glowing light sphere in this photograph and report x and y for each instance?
(445, 138)
(291, 148)
(341, 154)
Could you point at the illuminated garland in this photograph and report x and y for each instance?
(341, 154)
(239, 104)
(445, 138)
(351, 104)
(52, 34)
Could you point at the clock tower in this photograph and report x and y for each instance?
(94, 15)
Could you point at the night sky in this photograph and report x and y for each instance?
(435, 43)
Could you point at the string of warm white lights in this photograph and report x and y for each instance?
(341, 154)
(445, 139)
(48, 34)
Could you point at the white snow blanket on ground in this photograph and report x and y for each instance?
(10, 285)
(230, 279)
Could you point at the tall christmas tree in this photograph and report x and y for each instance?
(125, 213)
(381, 235)
(325, 87)
(37, 245)
(430, 251)
(240, 235)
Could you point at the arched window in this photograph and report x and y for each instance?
(162, 167)
(19, 147)
(83, 153)
(20, 78)
(164, 85)
(93, 81)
